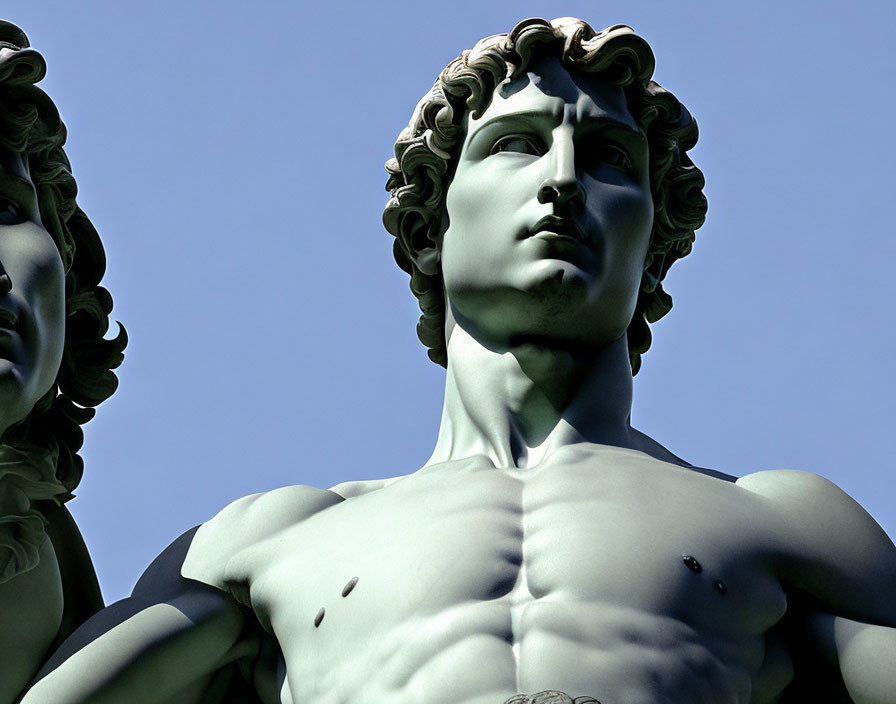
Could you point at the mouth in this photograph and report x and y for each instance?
(556, 226)
(8, 320)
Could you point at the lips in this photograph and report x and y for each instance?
(556, 225)
(8, 319)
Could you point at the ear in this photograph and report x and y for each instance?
(418, 236)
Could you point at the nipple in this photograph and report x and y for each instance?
(347, 589)
(694, 566)
(691, 563)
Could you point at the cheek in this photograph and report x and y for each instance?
(468, 206)
(461, 258)
(492, 193)
(466, 240)
(43, 280)
(51, 316)
(29, 256)
(625, 217)
(639, 222)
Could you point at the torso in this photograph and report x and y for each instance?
(476, 583)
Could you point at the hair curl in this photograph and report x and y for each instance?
(30, 125)
(427, 149)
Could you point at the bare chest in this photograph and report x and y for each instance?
(499, 582)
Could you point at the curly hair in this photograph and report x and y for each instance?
(30, 125)
(426, 152)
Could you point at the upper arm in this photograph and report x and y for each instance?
(170, 636)
(181, 625)
(830, 549)
(866, 654)
(842, 660)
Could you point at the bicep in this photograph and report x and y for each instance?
(867, 657)
(171, 633)
(862, 656)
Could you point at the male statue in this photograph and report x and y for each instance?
(547, 552)
(54, 366)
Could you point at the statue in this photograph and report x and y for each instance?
(54, 367)
(548, 552)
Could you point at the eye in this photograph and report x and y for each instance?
(518, 144)
(613, 156)
(11, 213)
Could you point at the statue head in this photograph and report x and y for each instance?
(427, 152)
(54, 312)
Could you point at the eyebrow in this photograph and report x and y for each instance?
(542, 116)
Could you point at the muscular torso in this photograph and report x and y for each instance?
(476, 583)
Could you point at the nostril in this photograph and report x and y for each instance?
(5, 284)
(548, 193)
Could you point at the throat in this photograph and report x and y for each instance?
(517, 406)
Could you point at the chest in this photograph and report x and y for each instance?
(584, 534)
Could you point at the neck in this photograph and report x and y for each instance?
(518, 405)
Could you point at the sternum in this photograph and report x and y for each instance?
(520, 597)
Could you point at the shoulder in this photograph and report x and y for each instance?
(810, 504)
(789, 484)
(831, 547)
(806, 496)
(258, 515)
(246, 522)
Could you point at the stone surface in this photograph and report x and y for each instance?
(53, 316)
(539, 196)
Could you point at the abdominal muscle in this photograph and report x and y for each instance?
(485, 652)
(470, 656)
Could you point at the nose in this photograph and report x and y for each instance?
(562, 187)
(566, 192)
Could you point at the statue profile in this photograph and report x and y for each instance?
(55, 367)
(548, 552)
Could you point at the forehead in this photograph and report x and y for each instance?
(548, 90)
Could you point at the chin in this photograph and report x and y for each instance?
(556, 285)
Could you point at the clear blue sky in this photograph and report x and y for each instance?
(230, 154)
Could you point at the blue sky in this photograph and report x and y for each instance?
(230, 155)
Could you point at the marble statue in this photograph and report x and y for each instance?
(54, 367)
(547, 552)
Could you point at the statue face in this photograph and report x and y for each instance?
(32, 304)
(549, 213)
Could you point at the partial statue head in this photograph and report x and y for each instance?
(427, 150)
(55, 365)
